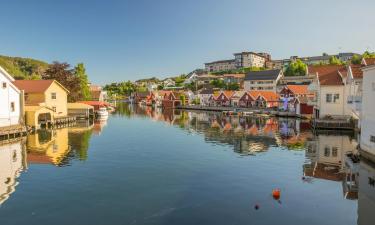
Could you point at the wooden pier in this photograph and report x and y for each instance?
(13, 132)
(333, 124)
(254, 110)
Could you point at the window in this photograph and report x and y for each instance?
(326, 151)
(54, 109)
(53, 95)
(328, 97)
(334, 151)
(336, 98)
(4, 85)
(12, 107)
(372, 138)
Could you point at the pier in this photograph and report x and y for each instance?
(246, 111)
(13, 132)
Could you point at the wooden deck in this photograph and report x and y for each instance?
(268, 111)
(13, 132)
(332, 124)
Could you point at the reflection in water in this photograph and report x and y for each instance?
(325, 153)
(12, 163)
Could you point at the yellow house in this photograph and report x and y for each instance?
(44, 100)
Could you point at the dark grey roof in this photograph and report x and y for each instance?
(263, 75)
(206, 91)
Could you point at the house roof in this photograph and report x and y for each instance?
(356, 71)
(221, 61)
(142, 94)
(329, 74)
(228, 94)
(95, 87)
(79, 105)
(235, 75)
(263, 75)
(268, 95)
(298, 89)
(206, 91)
(369, 61)
(36, 86)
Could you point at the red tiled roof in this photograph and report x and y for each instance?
(298, 89)
(95, 103)
(356, 71)
(268, 95)
(33, 86)
(329, 74)
(369, 61)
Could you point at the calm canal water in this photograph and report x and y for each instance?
(143, 166)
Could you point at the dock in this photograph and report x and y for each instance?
(333, 124)
(254, 110)
(13, 132)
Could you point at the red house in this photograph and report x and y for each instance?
(173, 99)
(297, 97)
(247, 100)
(224, 98)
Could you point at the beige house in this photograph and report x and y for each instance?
(221, 65)
(265, 80)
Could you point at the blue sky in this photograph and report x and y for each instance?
(129, 40)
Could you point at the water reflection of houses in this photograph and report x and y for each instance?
(366, 195)
(48, 146)
(328, 160)
(12, 163)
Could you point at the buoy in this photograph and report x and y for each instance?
(276, 194)
(256, 206)
(303, 178)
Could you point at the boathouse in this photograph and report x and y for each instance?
(45, 102)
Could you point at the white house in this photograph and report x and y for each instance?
(265, 80)
(11, 103)
(368, 110)
(204, 96)
(169, 82)
(330, 91)
(12, 163)
(192, 78)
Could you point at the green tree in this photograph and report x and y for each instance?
(80, 73)
(333, 60)
(183, 99)
(296, 68)
(368, 54)
(233, 86)
(356, 60)
(218, 83)
(62, 73)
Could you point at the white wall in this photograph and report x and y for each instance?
(337, 108)
(368, 110)
(8, 95)
(11, 163)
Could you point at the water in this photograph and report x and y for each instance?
(147, 167)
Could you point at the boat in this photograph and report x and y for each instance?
(102, 112)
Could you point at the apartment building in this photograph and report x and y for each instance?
(266, 80)
(251, 59)
(222, 65)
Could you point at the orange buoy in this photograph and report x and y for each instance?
(276, 194)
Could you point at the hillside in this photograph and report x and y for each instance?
(23, 68)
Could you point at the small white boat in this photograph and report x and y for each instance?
(102, 112)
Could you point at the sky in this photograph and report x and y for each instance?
(129, 40)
